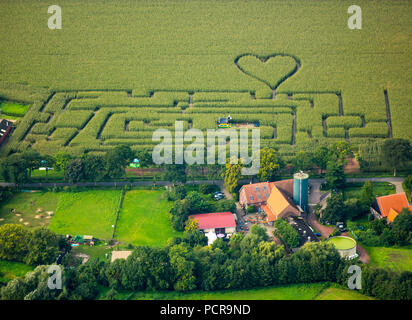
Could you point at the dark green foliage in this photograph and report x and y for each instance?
(74, 170)
(14, 169)
(116, 160)
(407, 187)
(43, 247)
(40, 246)
(287, 233)
(335, 176)
(13, 242)
(207, 188)
(225, 205)
(396, 153)
(402, 227)
(94, 167)
(175, 173)
(386, 284)
(335, 209)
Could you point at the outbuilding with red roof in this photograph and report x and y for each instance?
(219, 222)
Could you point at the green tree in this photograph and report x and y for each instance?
(335, 176)
(269, 163)
(183, 267)
(402, 227)
(145, 158)
(175, 173)
(74, 170)
(367, 194)
(303, 161)
(94, 167)
(61, 159)
(43, 247)
(13, 242)
(232, 174)
(396, 153)
(407, 187)
(289, 235)
(32, 159)
(14, 169)
(260, 232)
(335, 209)
(116, 161)
(192, 224)
(321, 157)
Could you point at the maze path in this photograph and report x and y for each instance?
(93, 121)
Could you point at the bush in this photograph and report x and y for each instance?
(251, 209)
(206, 188)
(289, 235)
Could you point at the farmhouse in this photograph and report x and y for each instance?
(275, 199)
(390, 206)
(5, 129)
(217, 222)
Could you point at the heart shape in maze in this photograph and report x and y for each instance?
(271, 70)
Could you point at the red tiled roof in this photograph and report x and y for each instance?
(215, 220)
(256, 192)
(393, 201)
(286, 186)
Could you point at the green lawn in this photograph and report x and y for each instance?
(13, 109)
(341, 294)
(10, 270)
(313, 291)
(90, 212)
(352, 190)
(27, 206)
(52, 175)
(144, 218)
(395, 258)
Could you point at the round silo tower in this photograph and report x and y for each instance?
(301, 189)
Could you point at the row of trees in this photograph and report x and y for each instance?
(184, 265)
(17, 168)
(33, 247)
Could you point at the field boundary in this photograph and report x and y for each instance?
(118, 210)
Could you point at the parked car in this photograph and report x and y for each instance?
(218, 195)
(341, 226)
(317, 234)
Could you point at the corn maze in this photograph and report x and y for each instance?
(95, 121)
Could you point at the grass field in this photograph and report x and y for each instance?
(27, 206)
(395, 258)
(10, 270)
(215, 51)
(144, 218)
(341, 294)
(89, 212)
(313, 291)
(13, 109)
(352, 190)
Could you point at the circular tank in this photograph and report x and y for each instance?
(346, 246)
(300, 189)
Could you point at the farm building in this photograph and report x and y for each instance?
(5, 129)
(274, 198)
(217, 222)
(390, 206)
